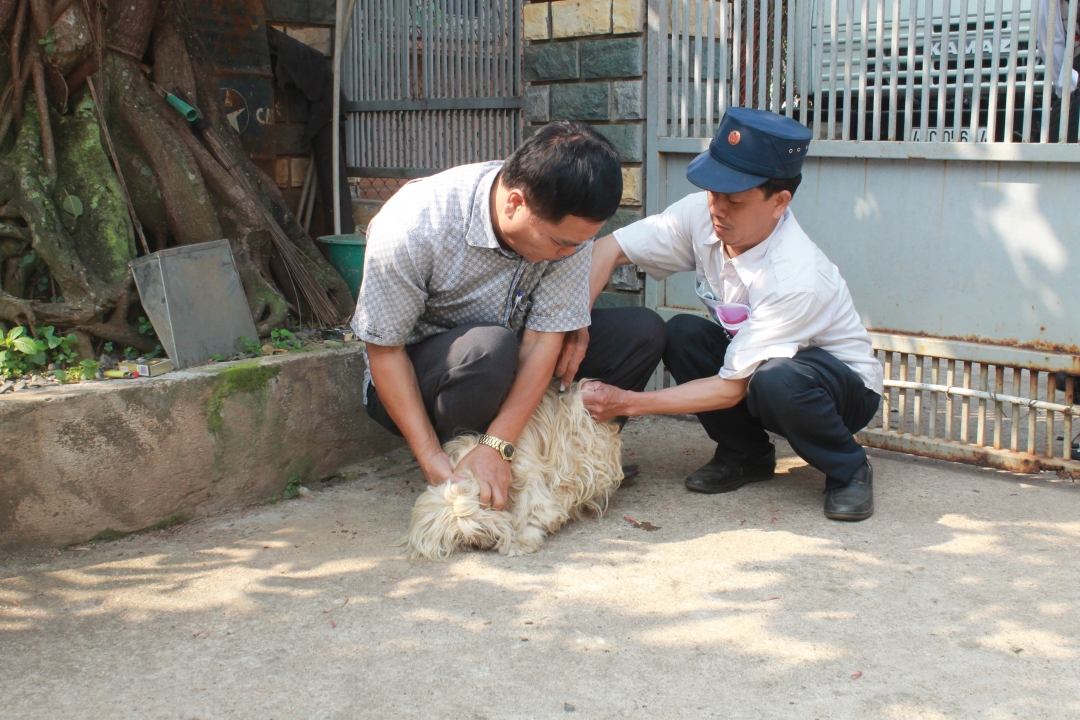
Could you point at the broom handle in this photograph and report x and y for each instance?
(341, 32)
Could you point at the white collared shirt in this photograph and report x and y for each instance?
(797, 297)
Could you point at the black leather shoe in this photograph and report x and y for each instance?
(719, 476)
(629, 472)
(854, 501)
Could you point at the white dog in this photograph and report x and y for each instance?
(567, 464)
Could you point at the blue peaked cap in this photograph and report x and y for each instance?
(750, 147)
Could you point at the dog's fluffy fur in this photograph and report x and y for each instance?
(567, 465)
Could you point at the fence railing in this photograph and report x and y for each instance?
(911, 71)
(989, 405)
(433, 84)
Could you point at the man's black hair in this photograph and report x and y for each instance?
(775, 185)
(566, 168)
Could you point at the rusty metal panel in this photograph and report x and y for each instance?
(234, 32)
(970, 454)
(976, 352)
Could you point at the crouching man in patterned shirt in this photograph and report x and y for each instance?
(476, 293)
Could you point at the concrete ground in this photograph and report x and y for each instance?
(959, 598)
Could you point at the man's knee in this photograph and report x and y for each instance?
(648, 330)
(773, 376)
(777, 385)
(684, 328)
(492, 352)
(691, 336)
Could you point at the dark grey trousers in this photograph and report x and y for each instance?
(812, 399)
(466, 373)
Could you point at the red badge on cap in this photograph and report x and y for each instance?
(734, 137)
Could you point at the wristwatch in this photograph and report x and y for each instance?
(505, 449)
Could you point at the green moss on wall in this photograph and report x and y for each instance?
(230, 381)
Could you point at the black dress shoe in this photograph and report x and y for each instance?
(854, 501)
(629, 472)
(719, 476)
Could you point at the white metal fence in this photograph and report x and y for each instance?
(912, 71)
(433, 84)
(975, 403)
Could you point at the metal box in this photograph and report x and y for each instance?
(194, 299)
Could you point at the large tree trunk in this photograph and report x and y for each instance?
(66, 233)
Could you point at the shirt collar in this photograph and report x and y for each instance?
(481, 234)
(748, 264)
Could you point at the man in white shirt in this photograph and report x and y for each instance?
(783, 349)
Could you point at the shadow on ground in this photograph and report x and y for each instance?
(958, 599)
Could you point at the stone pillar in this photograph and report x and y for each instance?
(585, 60)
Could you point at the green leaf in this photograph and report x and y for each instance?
(60, 375)
(51, 340)
(73, 205)
(28, 259)
(17, 331)
(26, 345)
(50, 49)
(38, 358)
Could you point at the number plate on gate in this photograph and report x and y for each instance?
(947, 135)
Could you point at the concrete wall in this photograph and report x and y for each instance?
(585, 60)
(97, 459)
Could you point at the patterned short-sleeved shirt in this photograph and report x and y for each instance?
(433, 263)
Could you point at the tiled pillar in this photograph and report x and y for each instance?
(585, 60)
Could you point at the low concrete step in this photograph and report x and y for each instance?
(98, 459)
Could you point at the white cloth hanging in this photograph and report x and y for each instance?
(1060, 12)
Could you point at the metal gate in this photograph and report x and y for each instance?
(942, 181)
(433, 84)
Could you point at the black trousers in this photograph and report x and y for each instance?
(466, 373)
(812, 399)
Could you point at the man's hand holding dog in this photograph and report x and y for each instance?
(603, 402)
(574, 345)
(492, 473)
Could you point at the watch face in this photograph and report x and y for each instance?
(508, 451)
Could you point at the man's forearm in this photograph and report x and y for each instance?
(392, 372)
(536, 363)
(607, 255)
(702, 395)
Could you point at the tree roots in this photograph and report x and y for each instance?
(64, 222)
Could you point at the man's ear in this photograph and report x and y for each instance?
(780, 200)
(515, 202)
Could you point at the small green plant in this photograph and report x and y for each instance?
(284, 340)
(249, 346)
(64, 349)
(85, 370)
(217, 357)
(20, 352)
(292, 490)
(107, 347)
(49, 41)
(145, 327)
(130, 353)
